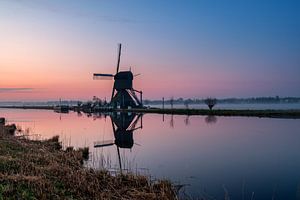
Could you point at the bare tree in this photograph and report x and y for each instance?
(97, 101)
(172, 102)
(186, 103)
(210, 102)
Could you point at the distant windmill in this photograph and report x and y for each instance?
(123, 95)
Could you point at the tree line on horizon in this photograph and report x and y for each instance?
(180, 100)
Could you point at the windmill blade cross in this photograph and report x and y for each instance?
(119, 57)
(97, 76)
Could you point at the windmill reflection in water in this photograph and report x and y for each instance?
(123, 124)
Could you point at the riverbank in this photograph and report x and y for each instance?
(270, 113)
(288, 114)
(42, 170)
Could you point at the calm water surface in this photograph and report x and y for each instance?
(239, 155)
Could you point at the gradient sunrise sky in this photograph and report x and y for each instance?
(233, 48)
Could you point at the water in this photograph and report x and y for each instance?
(240, 155)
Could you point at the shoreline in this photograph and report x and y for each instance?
(267, 113)
(284, 114)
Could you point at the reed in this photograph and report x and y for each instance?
(43, 170)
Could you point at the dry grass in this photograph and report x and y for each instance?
(42, 170)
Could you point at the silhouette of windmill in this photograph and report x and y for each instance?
(123, 124)
(123, 95)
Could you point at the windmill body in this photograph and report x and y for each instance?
(123, 80)
(123, 94)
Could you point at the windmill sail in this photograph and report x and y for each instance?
(119, 58)
(118, 66)
(97, 76)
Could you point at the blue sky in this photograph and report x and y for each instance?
(182, 48)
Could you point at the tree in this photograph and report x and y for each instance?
(172, 102)
(186, 103)
(210, 102)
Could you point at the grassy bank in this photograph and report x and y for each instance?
(294, 114)
(42, 170)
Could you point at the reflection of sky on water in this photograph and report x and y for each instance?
(261, 154)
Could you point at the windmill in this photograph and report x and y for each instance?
(123, 94)
(123, 124)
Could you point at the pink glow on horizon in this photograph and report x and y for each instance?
(50, 86)
(54, 71)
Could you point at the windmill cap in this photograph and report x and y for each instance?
(125, 75)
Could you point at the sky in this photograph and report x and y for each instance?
(190, 49)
